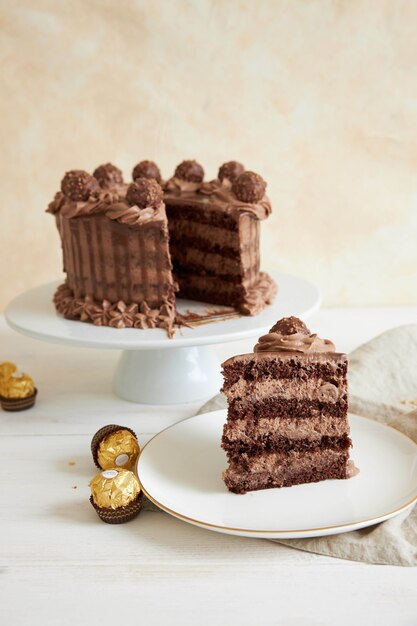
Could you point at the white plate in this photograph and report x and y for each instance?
(180, 471)
(33, 313)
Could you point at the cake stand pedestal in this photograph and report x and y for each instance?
(153, 369)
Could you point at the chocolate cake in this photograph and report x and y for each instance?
(118, 241)
(287, 420)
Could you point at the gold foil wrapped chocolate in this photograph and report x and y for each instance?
(115, 446)
(116, 496)
(119, 449)
(114, 488)
(18, 386)
(17, 390)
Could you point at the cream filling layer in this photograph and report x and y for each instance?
(288, 389)
(312, 429)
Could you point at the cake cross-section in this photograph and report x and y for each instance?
(287, 418)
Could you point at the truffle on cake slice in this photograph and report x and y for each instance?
(214, 230)
(287, 417)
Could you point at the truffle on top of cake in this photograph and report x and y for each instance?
(82, 193)
(147, 169)
(108, 176)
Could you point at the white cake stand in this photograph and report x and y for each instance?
(152, 368)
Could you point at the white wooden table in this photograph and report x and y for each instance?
(60, 564)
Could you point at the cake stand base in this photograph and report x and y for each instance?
(168, 376)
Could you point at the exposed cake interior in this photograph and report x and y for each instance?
(287, 419)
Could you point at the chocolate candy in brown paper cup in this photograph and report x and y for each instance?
(17, 389)
(116, 495)
(115, 446)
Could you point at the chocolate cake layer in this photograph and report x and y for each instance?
(281, 407)
(190, 232)
(278, 443)
(329, 367)
(191, 260)
(283, 469)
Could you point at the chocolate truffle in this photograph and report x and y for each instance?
(249, 187)
(190, 171)
(115, 446)
(116, 495)
(77, 185)
(230, 171)
(290, 326)
(144, 192)
(108, 176)
(147, 169)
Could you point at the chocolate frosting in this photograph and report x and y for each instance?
(135, 216)
(98, 202)
(110, 203)
(217, 193)
(298, 342)
(262, 292)
(116, 315)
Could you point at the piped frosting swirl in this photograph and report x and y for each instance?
(292, 335)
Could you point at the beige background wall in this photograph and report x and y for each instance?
(320, 97)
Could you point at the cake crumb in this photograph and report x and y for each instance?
(71, 463)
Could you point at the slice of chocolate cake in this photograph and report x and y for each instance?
(287, 419)
(214, 236)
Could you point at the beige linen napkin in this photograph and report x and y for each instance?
(383, 386)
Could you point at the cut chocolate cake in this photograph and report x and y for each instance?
(117, 243)
(287, 420)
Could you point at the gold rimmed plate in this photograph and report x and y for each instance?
(180, 471)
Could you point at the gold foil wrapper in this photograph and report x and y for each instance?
(13, 384)
(114, 488)
(119, 449)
